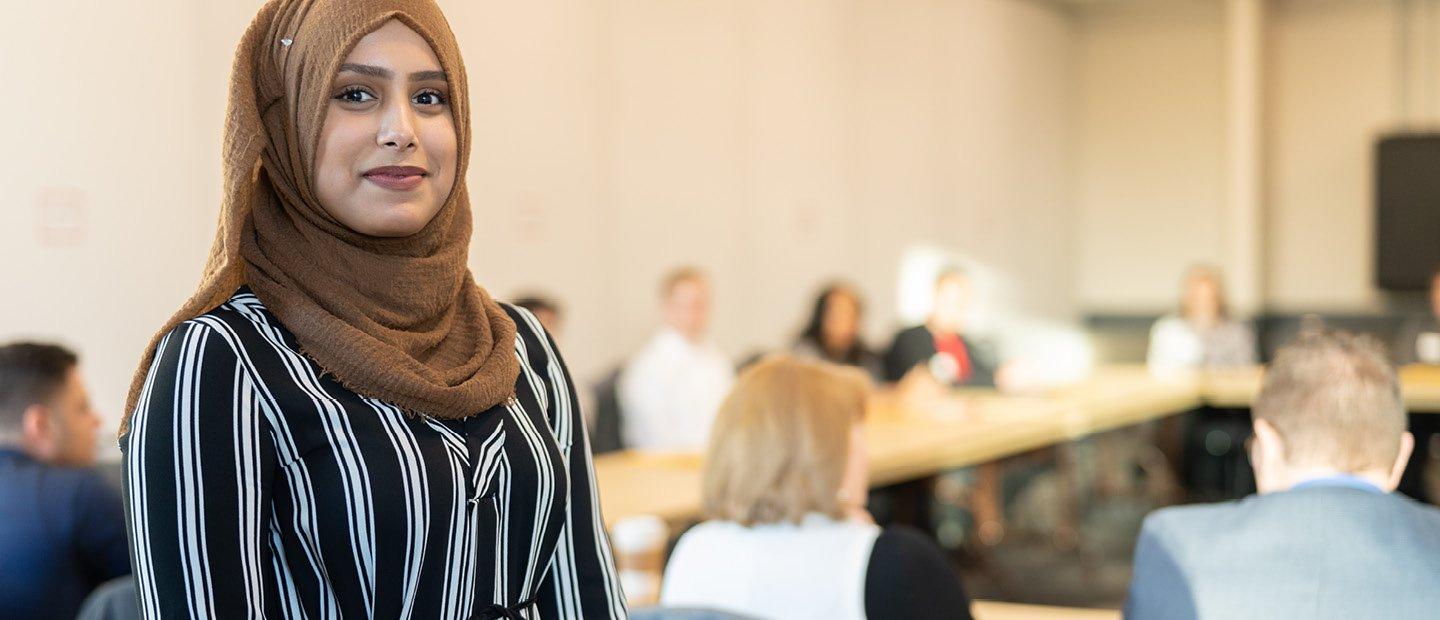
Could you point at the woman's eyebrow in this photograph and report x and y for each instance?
(382, 72)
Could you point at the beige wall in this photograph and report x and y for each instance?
(776, 144)
(1150, 154)
(1149, 169)
(1333, 86)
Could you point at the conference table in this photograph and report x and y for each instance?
(912, 438)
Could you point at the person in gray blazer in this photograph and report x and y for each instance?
(1326, 537)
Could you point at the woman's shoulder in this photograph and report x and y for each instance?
(1170, 324)
(907, 544)
(904, 562)
(825, 529)
(238, 320)
(527, 325)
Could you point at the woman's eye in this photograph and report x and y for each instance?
(355, 95)
(430, 97)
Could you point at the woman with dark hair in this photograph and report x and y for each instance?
(340, 422)
(832, 333)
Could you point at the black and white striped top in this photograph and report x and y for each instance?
(258, 487)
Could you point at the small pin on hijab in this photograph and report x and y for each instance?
(286, 42)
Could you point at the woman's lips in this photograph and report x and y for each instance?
(398, 178)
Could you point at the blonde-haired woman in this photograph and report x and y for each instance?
(1203, 336)
(788, 535)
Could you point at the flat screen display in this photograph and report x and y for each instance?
(1407, 207)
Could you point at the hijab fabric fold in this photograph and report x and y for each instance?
(397, 319)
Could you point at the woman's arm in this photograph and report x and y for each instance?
(581, 581)
(197, 461)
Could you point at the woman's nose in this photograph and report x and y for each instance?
(397, 130)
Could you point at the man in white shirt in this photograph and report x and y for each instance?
(671, 389)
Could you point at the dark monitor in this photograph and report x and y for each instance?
(1407, 211)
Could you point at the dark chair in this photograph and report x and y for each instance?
(113, 600)
(608, 433)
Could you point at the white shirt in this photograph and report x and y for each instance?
(815, 569)
(1176, 346)
(670, 391)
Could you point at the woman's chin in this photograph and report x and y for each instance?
(395, 220)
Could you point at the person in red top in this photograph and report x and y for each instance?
(939, 346)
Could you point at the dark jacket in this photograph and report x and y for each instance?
(916, 345)
(1312, 553)
(62, 533)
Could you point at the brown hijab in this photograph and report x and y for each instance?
(398, 319)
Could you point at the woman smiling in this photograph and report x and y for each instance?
(340, 422)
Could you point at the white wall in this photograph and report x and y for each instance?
(1150, 162)
(1149, 169)
(99, 104)
(1334, 85)
(776, 144)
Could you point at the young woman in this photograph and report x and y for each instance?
(340, 422)
(1203, 335)
(787, 534)
(832, 333)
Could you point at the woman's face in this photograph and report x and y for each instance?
(1202, 299)
(953, 296)
(1435, 295)
(840, 324)
(387, 156)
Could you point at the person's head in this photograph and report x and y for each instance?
(685, 302)
(1203, 299)
(1330, 403)
(954, 295)
(387, 155)
(44, 407)
(545, 310)
(788, 442)
(834, 324)
(1435, 293)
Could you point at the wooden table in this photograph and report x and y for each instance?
(910, 440)
(991, 610)
(1238, 388)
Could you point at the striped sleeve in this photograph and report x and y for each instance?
(581, 581)
(197, 464)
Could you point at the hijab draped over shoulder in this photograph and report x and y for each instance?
(397, 319)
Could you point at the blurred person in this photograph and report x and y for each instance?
(341, 422)
(1326, 537)
(939, 347)
(669, 391)
(62, 526)
(1205, 445)
(1419, 341)
(832, 332)
(1203, 336)
(787, 534)
(546, 310)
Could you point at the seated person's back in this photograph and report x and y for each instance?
(787, 535)
(1326, 537)
(62, 528)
